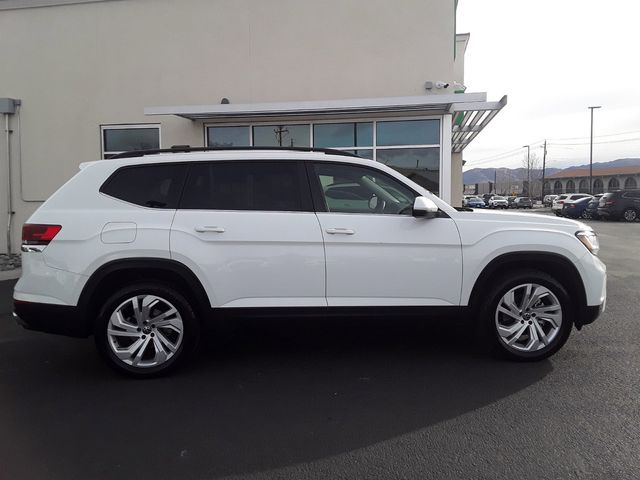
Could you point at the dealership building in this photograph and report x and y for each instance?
(84, 79)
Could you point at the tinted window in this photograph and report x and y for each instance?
(336, 135)
(422, 165)
(156, 186)
(281, 136)
(632, 195)
(273, 186)
(228, 136)
(355, 189)
(408, 132)
(126, 139)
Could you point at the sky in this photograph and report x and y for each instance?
(553, 59)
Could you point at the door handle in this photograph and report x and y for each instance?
(207, 228)
(340, 231)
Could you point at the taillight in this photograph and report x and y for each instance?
(609, 203)
(35, 234)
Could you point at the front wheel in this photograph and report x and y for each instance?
(528, 316)
(146, 329)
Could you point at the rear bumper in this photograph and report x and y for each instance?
(49, 318)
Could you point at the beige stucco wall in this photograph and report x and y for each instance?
(456, 179)
(78, 66)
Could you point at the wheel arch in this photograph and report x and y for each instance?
(108, 277)
(554, 264)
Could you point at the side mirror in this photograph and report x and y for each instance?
(424, 208)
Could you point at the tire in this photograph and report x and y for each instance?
(512, 335)
(147, 349)
(630, 215)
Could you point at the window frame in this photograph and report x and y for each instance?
(444, 167)
(125, 126)
(317, 193)
(303, 183)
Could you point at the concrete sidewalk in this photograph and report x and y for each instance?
(10, 274)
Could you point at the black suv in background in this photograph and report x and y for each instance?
(621, 204)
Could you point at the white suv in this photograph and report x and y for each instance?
(141, 250)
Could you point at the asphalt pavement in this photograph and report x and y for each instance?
(335, 399)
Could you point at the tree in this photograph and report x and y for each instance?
(532, 181)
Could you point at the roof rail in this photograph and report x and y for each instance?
(187, 148)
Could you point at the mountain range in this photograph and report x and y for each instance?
(484, 175)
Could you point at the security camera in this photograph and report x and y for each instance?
(441, 84)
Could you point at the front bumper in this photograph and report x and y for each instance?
(49, 318)
(589, 315)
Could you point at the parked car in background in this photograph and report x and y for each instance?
(475, 202)
(567, 197)
(522, 202)
(620, 205)
(577, 208)
(547, 201)
(498, 202)
(592, 207)
(510, 200)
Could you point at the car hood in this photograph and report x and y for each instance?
(523, 220)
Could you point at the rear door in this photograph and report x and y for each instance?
(247, 228)
(377, 253)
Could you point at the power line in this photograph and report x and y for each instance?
(511, 153)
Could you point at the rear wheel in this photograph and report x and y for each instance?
(528, 316)
(630, 215)
(146, 330)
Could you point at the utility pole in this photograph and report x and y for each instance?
(495, 181)
(544, 164)
(280, 130)
(591, 151)
(528, 147)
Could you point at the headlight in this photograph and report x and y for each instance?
(590, 240)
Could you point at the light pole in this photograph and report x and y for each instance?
(528, 147)
(591, 151)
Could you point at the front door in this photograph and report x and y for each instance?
(377, 253)
(248, 230)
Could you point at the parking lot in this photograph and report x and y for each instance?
(336, 399)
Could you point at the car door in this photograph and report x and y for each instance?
(249, 232)
(380, 254)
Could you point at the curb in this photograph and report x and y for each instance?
(10, 274)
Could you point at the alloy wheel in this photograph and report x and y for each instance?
(528, 317)
(630, 215)
(145, 331)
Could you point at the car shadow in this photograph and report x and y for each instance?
(262, 395)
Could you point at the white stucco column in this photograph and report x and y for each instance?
(445, 159)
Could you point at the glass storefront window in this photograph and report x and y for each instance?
(119, 139)
(228, 136)
(368, 154)
(408, 132)
(343, 135)
(281, 136)
(422, 165)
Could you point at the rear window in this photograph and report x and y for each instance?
(154, 186)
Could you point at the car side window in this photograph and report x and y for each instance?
(355, 189)
(154, 186)
(247, 185)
